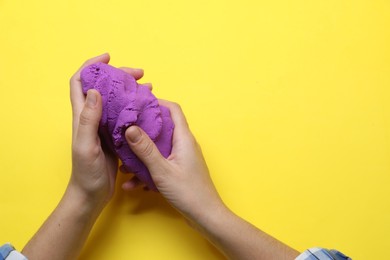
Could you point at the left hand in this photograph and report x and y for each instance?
(94, 169)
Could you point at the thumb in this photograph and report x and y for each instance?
(89, 119)
(144, 148)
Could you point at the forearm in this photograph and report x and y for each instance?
(183, 179)
(238, 239)
(64, 233)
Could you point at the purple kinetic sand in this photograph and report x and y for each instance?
(127, 103)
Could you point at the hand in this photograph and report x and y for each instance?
(93, 168)
(183, 178)
(91, 186)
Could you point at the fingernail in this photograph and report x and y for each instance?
(133, 134)
(91, 98)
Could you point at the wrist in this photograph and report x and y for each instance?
(208, 217)
(81, 202)
(92, 189)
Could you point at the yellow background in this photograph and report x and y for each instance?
(289, 100)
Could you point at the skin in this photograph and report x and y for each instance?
(183, 179)
(91, 185)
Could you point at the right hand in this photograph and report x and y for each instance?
(182, 178)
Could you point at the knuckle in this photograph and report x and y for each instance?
(73, 79)
(78, 151)
(84, 151)
(176, 106)
(85, 117)
(146, 149)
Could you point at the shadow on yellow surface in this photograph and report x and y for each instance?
(137, 204)
(288, 99)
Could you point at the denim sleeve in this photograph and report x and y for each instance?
(317, 253)
(8, 252)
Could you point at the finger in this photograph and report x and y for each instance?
(87, 131)
(77, 97)
(148, 85)
(177, 115)
(136, 73)
(145, 149)
(105, 58)
(131, 184)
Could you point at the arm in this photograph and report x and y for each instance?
(91, 185)
(184, 180)
(64, 233)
